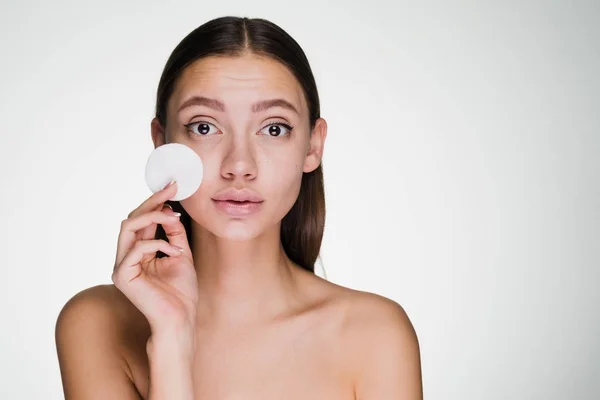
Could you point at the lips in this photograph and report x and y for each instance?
(237, 208)
(238, 202)
(235, 196)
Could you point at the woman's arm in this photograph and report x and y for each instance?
(90, 341)
(390, 361)
(89, 347)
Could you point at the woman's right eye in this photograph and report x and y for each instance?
(201, 128)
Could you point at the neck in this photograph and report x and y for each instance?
(242, 281)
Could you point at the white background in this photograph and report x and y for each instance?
(462, 172)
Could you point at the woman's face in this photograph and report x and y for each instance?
(243, 143)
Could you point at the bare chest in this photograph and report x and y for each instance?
(289, 375)
(270, 365)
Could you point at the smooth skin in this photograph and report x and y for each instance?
(231, 316)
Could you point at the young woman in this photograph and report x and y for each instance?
(215, 297)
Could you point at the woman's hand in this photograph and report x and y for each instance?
(164, 289)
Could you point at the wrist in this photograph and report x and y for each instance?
(173, 341)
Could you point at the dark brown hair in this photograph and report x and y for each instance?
(302, 227)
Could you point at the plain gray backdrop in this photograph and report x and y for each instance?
(461, 165)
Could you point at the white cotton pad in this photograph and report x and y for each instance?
(174, 161)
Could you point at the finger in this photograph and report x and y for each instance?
(149, 232)
(176, 234)
(141, 249)
(157, 199)
(128, 234)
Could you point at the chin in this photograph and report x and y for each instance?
(236, 232)
(242, 230)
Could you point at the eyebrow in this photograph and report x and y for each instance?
(219, 106)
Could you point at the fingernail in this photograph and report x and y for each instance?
(170, 183)
(168, 205)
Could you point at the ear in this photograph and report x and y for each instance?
(158, 133)
(316, 145)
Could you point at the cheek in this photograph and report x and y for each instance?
(281, 175)
(285, 188)
(196, 205)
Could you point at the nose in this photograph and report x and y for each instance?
(239, 161)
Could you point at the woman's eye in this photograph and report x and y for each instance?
(201, 128)
(276, 129)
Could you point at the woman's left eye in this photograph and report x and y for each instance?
(276, 129)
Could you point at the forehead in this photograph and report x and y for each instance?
(242, 80)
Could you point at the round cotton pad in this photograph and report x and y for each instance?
(174, 161)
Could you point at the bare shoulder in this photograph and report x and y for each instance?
(382, 347)
(101, 307)
(369, 314)
(95, 331)
(364, 314)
